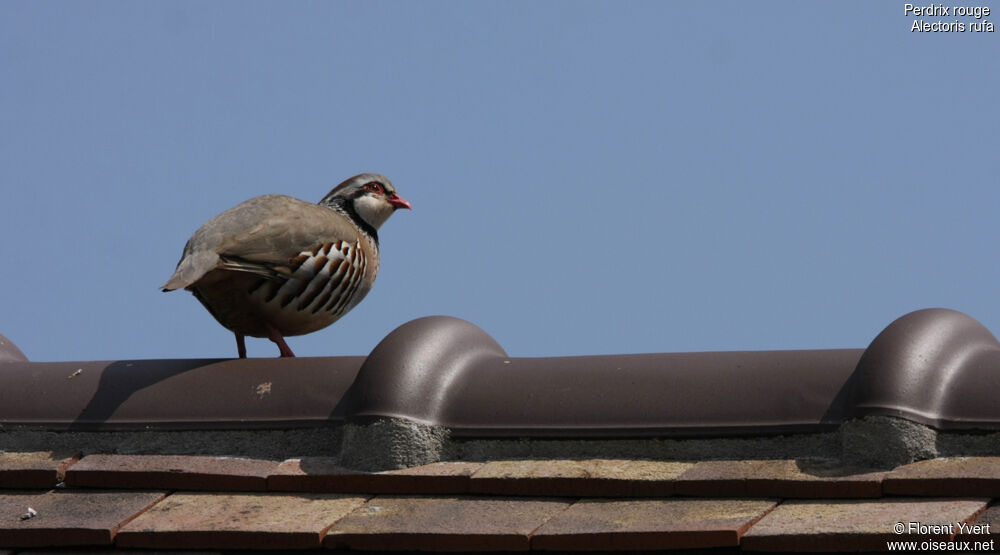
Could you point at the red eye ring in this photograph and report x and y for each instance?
(374, 187)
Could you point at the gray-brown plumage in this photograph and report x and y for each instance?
(275, 266)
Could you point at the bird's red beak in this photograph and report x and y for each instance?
(399, 202)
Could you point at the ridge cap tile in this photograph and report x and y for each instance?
(175, 472)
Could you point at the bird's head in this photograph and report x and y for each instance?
(368, 196)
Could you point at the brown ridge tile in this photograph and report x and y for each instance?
(237, 521)
(809, 478)
(644, 524)
(323, 474)
(68, 517)
(578, 478)
(443, 523)
(113, 551)
(951, 477)
(856, 525)
(38, 469)
(178, 472)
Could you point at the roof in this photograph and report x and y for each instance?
(438, 440)
(213, 503)
(935, 367)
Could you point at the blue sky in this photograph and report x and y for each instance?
(587, 177)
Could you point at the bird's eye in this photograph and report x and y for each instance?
(374, 187)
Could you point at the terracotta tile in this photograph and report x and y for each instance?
(316, 474)
(778, 478)
(952, 477)
(578, 478)
(237, 521)
(68, 517)
(39, 469)
(443, 523)
(641, 524)
(984, 528)
(322, 474)
(716, 479)
(178, 472)
(854, 525)
(441, 477)
(530, 477)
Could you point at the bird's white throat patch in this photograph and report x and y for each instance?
(373, 210)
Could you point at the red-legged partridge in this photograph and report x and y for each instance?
(276, 266)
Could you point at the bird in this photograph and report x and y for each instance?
(275, 266)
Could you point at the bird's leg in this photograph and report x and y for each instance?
(241, 345)
(274, 335)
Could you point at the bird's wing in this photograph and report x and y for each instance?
(259, 236)
(290, 227)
